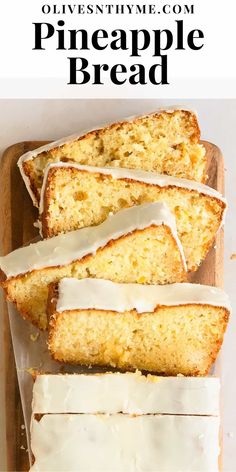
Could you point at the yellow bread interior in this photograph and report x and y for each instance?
(166, 142)
(149, 256)
(75, 198)
(171, 340)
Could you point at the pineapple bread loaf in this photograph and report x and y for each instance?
(171, 329)
(76, 196)
(125, 443)
(138, 244)
(166, 142)
(125, 422)
(129, 393)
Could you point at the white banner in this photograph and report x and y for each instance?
(163, 48)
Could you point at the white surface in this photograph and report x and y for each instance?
(28, 120)
(209, 72)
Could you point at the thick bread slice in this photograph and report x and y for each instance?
(76, 196)
(131, 393)
(123, 443)
(166, 142)
(138, 244)
(170, 330)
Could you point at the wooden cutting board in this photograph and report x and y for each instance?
(17, 216)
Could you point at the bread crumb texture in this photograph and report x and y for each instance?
(75, 199)
(170, 341)
(166, 142)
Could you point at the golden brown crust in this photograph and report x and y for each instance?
(100, 131)
(24, 313)
(192, 119)
(27, 168)
(38, 416)
(54, 297)
(52, 300)
(44, 217)
(3, 278)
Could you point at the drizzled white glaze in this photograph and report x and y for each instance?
(115, 443)
(66, 248)
(69, 139)
(150, 178)
(130, 393)
(106, 295)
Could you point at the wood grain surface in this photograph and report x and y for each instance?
(17, 216)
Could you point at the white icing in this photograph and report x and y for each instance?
(130, 393)
(121, 443)
(60, 142)
(66, 248)
(150, 178)
(100, 294)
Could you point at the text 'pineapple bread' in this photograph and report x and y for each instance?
(76, 196)
(138, 244)
(170, 329)
(132, 393)
(166, 142)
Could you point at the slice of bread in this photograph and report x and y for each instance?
(171, 329)
(166, 142)
(138, 244)
(125, 443)
(76, 196)
(132, 393)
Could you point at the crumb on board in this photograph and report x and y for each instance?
(22, 426)
(233, 256)
(22, 447)
(34, 337)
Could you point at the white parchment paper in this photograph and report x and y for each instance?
(31, 352)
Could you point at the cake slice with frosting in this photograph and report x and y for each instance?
(75, 196)
(138, 244)
(171, 329)
(166, 142)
